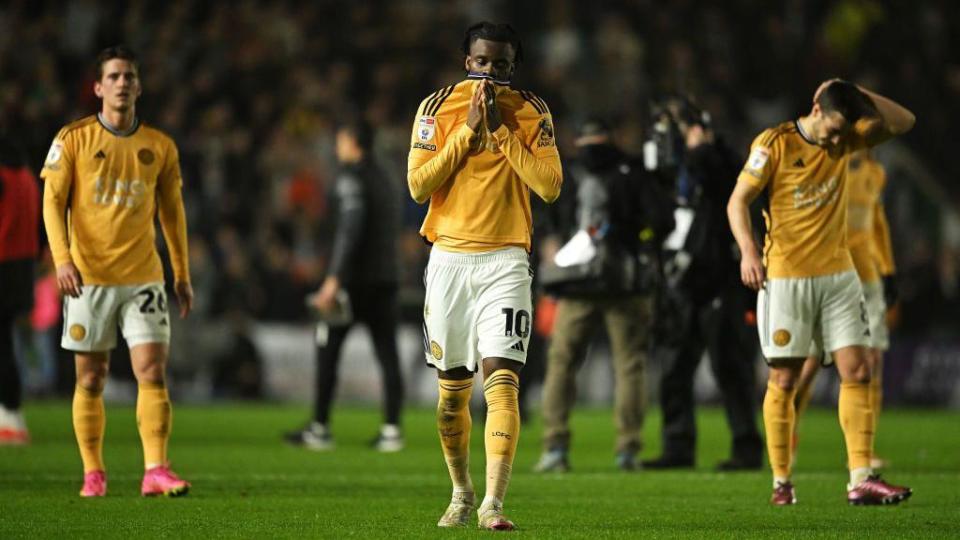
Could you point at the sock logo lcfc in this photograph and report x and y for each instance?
(501, 434)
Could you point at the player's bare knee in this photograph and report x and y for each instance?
(859, 374)
(494, 363)
(150, 369)
(92, 380)
(92, 371)
(784, 379)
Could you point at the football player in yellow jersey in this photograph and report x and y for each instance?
(478, 148)
(868, 239)
(106, 177)
(808, 289)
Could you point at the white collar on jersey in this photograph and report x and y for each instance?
(125, 133)
(803, 133)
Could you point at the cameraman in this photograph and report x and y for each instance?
(711, 309)
(618, 213)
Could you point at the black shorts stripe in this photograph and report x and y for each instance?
(438, 101)
(426, 339)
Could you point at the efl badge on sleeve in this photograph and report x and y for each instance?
(56, 150)
(426, 128)
(758, 159)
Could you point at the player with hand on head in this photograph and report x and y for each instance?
(478, 148)
(111, 174)
(809, 292)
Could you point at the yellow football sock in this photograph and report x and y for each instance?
(454, 424)
(779, 418)
(802, 400)
(154, 416)
(89, 422)
(856, 420)
(876, 398)
(502, 431)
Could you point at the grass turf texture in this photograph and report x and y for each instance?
(247, 484)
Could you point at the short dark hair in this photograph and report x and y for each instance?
(117, 51)
(360, 130)
(499, 32)
(845, 98)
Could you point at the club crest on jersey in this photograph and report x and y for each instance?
(435, 350)
(145, 155)
(426, 128)
(78, 332)
(546, 134)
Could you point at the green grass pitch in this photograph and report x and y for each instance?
(247, 484)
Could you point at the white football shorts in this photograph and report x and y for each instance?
(477, 305)
(140, 311)
(876, 315)
(797, 317)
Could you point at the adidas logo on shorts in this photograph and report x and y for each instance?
(518, 346)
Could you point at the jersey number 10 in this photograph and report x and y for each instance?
(519, 323)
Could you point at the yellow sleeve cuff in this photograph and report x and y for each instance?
(501, 134)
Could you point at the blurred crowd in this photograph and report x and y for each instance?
(251, 90)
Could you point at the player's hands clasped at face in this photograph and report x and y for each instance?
(69, 281)
(475, 112)
(490, 105)
(752, 272)
(184, 293)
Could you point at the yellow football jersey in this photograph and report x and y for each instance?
(865, 179)
(880, 239)
(807, 213)
(479, 184)
(102, 191)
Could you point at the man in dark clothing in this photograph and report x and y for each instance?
(713, 310)
(19, 247)
(616, 206)
(361, 286)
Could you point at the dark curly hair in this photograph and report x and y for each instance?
(499, 32)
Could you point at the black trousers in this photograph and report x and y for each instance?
(376, 307)
(16, 299)
(719, 327)
(11, 388)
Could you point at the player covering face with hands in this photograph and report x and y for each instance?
(478, 148)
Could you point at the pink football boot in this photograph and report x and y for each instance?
(94, 484)
(161, 480)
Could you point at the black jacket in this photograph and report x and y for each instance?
(624, 209)
(368, 223)
(715, 264)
